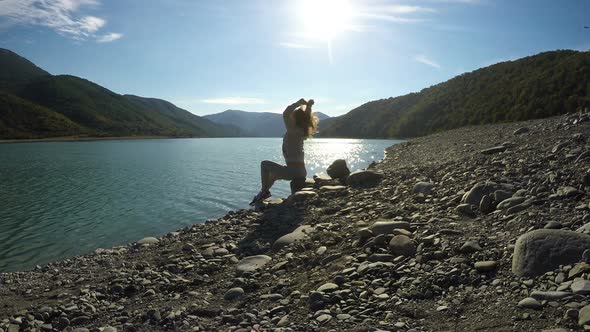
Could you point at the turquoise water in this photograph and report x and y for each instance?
(60, 199)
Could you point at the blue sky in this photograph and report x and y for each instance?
(259, 55)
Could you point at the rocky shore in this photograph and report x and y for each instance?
(476, 229)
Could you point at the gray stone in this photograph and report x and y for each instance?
(466, 210)
(566, 192)
(322, 319)
(584, 316)
(402, 245)
(63, 322)
(302, 196)
(148, 240)
(338, 169)
(284, 321)
(332, 188)
(578, 269)
(485, 266)
(485, 205)
(475, 194)
(80, 320)
(327, 287)
(544, 250)
(530, 303)
(501, 195)
(517, 208)
(520, 131)
(552, 225)
(343, 316)
(109, 329)
(252, 263)
(423, 188)
(549, 295)
(298, 234)
(581, 287)
(510, 202)
(493, 150)
(233, 294)
(364, 179)
(387, 227)
(469, 247)
(585, 229)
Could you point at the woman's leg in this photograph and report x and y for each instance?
(270, 172)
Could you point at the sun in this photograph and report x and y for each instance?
(325, 19)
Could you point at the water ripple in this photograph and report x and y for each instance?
(63, 199)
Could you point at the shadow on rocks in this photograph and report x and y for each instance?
(276, 221)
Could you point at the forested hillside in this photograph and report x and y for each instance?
(537, 86)
(36, 104)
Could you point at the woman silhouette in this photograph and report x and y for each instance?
(301, 123)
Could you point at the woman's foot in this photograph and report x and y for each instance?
(260, 197)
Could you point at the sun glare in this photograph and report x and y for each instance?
(325, 19)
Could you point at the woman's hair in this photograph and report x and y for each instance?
(306, 121)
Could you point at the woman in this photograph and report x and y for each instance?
(301, 124)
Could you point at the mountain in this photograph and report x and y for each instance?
(17, 70)
(537, 86)
(36, 104)
(255, 124)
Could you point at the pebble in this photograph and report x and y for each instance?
(322, 319)
(327, 287)
(148, 240)
(402, 245)
(469, 247)
(530, 303)
(486, 266)
(233, 294)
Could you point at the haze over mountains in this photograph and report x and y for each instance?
(537, 86)
(36, 104)
(255, 124)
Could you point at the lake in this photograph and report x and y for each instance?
(61, 199)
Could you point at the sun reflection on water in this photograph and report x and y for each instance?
(320, 153)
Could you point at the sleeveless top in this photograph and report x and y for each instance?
(293, 141)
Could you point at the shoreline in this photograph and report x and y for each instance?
(126, 138)
(245, 271)
(82, 139)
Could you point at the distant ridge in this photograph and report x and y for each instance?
(537, 86)
(255, 124)
(36, 104)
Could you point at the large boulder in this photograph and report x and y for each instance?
(252, 263)
(544, 250)
(364, 178)
(479, 190)
(298, 234)
(338, 169)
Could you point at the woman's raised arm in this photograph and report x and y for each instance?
(293, 106)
